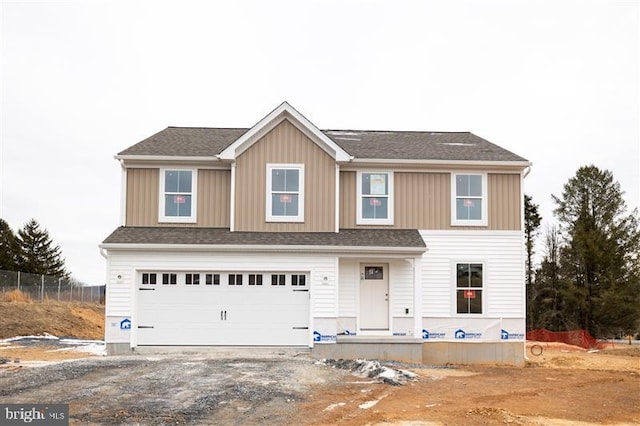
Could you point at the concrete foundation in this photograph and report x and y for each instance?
(118, 349)
(504, 353)
(408, 350)
(388, 349)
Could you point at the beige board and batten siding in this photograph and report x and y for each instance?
(214, 195)
(285, 144)
(422, 200)
(212, 198)
(142, 197)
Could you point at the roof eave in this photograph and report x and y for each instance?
(263, 248)
(378, 161)
(165, 158)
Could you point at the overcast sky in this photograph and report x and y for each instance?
(556, 82)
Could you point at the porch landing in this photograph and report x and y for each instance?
(388, 348)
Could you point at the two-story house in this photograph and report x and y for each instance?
(378, 244)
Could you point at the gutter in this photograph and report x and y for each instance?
(264, 248)
(167, 158)
(441, 162)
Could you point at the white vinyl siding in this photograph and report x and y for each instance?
(401, 288)
(347, 287)
(324, 292)
(501, 253)
(118, 291)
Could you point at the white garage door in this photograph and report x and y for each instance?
(269, 309)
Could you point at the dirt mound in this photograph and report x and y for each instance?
(79, 320)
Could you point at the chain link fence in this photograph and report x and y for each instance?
(45, 287)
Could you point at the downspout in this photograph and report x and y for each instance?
(123, 194)
(337, 199)
(232, 207)
(524, 272)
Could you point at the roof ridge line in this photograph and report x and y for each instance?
(207, 128)
(396, 131)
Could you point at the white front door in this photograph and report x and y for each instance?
(374, 297)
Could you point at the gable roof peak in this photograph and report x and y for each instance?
(284, 112)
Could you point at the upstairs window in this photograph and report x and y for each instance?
(469, 200)
(375, 198)
(177, 196)
(285, 193)
(469, 285)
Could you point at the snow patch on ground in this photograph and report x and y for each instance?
(373, 370)
(93, 347)
(334, 406)
(45, 336)
(369, 404)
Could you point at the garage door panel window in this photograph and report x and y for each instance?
(212, 279)
(192, 279)
(278, 279)
(235, 279)
(169, 279)
(298, 280)
(255, 279)
(469, 288)
(149, 278)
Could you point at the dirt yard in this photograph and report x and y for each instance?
(564, 385)
(62, 319)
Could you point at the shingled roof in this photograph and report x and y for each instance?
(419, 145)
(186, 141)
(363, 238)
(361, 144)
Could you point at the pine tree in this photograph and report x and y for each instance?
(548, 304)
(8, 247)
(37, 254)
(600, 253)
(532, 221)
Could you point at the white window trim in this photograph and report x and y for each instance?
(390, 205)
(454, 281)
(301, 185)
(485, 201)
(194, 198)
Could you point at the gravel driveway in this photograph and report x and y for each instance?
(240, 388)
